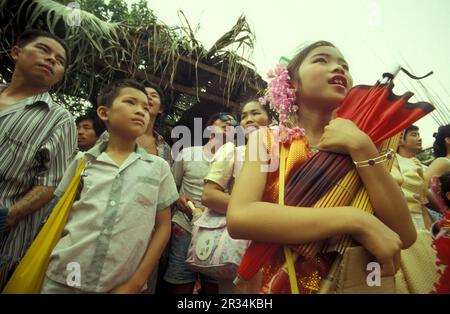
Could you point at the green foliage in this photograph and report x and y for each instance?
(141, 14)
(426, 156)
(97, 7)
(117, 11)
(116, 41)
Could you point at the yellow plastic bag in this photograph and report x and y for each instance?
(29, 274)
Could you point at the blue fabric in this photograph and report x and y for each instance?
(435, 216)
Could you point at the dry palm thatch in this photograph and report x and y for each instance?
(169, 56)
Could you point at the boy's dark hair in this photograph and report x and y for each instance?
(444, 182)
(109, 92)
(439, 147)
(159, 90)
(99, 127)
(410, 129)
(31, 34)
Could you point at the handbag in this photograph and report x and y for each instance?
(352, 278)
(212, 251)
(30, 273)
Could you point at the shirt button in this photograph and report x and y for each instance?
(112, 203)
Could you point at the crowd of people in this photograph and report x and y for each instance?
(149, 220)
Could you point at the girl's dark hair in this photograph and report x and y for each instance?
(439, 146)
(444, 182)
(298, 59)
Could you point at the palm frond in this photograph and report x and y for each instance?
(167, 55)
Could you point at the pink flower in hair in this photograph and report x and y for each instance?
(281, 98)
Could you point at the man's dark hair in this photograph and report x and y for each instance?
(31, 34)
(109, 92)
(99, 127)
(159, 90)
(410, 129)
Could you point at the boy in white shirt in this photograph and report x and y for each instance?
(125, 194)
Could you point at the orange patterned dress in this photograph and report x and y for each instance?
(310, 271)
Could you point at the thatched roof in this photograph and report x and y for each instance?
(170, 56)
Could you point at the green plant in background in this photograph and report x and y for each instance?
(426, 156)
(113, 41)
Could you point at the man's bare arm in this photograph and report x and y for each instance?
(34, 200)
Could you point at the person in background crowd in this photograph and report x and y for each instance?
(89, 129)
(190, 169)
(226, 167)
(418, 271)
(151, 141)
(408, 172)
(441, 148)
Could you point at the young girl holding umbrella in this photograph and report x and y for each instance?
(320, 77)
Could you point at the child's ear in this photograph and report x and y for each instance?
(103, 113)
(15, 51)
(295, 85)
(447, 195)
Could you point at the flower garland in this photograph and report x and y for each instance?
(281, 98)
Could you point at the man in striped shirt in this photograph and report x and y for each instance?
(37, 140)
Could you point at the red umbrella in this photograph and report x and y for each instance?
(374, 109)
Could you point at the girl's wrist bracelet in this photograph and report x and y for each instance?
(377, 160)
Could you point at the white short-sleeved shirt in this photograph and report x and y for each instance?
(226, 166)
(110, 225)
(189, 170)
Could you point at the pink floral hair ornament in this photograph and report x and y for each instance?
(281, 98)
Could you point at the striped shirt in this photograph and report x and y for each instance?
(164, 150)
(37, 141)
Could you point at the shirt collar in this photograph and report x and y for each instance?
(43, 98)
(99, 148)
(143, 153)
